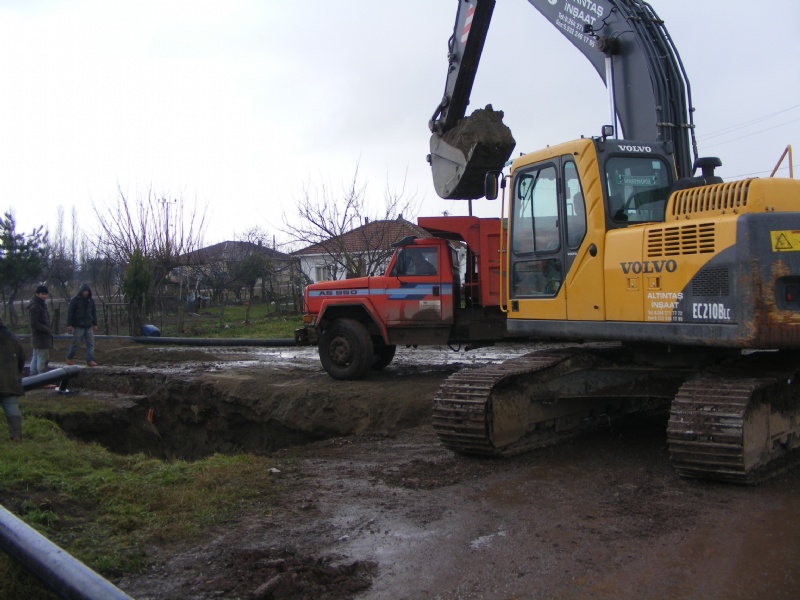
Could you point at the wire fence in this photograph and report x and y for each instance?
(114, 317)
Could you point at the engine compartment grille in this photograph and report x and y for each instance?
(679, 240)
(715, 281)
(720, 198)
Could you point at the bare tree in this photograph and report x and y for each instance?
(61, 260)
(258, 266)
(325, 218)
(162, 229)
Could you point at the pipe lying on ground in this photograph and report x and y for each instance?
(54, 567)
(182, 341)
(60, 376)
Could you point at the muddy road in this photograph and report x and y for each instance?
(373, 507)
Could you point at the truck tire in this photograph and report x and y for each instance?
(345, 349)
(383, 356)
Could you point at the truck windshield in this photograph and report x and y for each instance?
(416, 261)
(637, 188)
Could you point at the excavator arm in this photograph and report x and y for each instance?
(463, 150)
(629, 47)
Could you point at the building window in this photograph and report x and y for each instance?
(322, 273)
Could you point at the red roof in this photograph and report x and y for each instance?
(231, 251)
(373, 236)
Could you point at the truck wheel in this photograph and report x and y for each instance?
(382, 357)
(345, 349)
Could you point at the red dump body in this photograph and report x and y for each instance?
(482, 281)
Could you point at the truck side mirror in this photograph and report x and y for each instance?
(490, 185)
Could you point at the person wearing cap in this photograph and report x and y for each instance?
(41, 336)
(12, 360)
(82, 323)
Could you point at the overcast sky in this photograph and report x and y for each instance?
(237, 103)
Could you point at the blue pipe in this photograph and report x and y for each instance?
(54, 567)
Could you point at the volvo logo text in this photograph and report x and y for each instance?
(649, 266)
(636, 148)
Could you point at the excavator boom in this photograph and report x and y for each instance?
(625, 41)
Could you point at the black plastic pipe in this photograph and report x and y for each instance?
(60, 376)
(181, 341)
(54, 567)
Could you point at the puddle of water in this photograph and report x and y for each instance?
(485, 540)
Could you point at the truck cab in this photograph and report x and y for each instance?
(422, 299)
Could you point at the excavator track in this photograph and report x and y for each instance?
(539, 399)
(460, 408)
(733, 419)
(740, 430)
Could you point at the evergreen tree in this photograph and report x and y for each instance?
(23, 258)
(136, 286)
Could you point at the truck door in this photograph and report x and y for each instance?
(419, 287)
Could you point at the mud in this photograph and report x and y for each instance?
(485, 127)
(462, 156)
(373, 507)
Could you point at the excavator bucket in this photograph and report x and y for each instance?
(462, 156)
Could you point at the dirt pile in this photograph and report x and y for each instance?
(462, 156)
(483, 132)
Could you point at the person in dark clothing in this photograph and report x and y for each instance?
(12, 360)
(41, 337)
(82, 323)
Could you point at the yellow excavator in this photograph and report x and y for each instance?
(663, 285)
(667, 285)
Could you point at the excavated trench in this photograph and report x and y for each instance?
(177, 416)
(193, 413)
(174, 402)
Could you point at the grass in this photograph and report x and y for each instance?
(263, 323)
(45, 402)
(107, 510)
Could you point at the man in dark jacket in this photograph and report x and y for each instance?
(12, 359)
(82, 323)
(41, 337)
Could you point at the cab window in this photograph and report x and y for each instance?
(537, 277)
(637, 188)
(416, 261)
(576, 206)
(535, 224)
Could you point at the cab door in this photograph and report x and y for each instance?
(554, 273)
(538, 260)
(418, 287)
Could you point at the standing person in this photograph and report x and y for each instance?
(82, 323)
(12, 359)
(41, 336)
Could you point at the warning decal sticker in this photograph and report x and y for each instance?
(785, 241)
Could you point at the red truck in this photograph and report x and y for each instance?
(420, 300)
